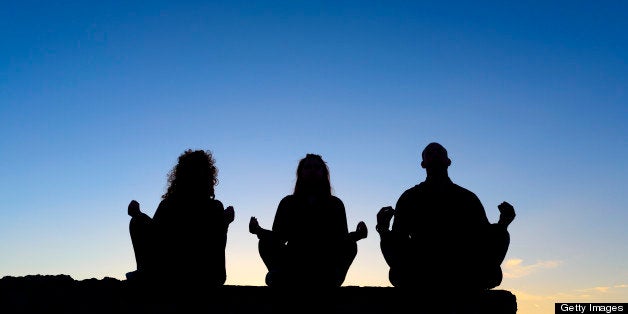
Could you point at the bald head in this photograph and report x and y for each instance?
(435, 157)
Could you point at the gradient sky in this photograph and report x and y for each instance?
(98, 99)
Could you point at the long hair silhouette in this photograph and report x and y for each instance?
(307, 185)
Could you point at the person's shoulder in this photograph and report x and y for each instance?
(409, 195)
(287, 200)
(336, 200)
(217, 203)
(162, 210)
(412, 191)
(163, 206)
(463, 190)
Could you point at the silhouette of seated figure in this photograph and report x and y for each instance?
(441, 237)
(184, 242)
(309, 244)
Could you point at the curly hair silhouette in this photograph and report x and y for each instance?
(185, 240)
(194, 172)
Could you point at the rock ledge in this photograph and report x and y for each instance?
(62, 294)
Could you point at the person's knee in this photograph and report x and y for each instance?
(395, 278)
(220, 280)
(395, 254)
(338, 281)
(268, 249)
(276, 279)
(492, 277)
(496, 280)
(269, 279)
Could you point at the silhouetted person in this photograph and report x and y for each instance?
(309, 244)
(441, 237)
(184, 242)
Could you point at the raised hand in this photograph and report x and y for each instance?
(229, 214)
(384, 216)
(134, 209)
(507, 214)
(254, 227)
(361, 231)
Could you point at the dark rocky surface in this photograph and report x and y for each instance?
(62, 294)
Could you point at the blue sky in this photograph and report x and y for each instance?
(97, 100)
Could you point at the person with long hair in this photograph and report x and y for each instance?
(185, 240)
(309, 243)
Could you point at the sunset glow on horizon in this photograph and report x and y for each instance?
(97, 101)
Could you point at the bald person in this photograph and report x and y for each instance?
(441, 236)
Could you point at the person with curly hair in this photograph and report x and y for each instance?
(185, 240)
(309, 244)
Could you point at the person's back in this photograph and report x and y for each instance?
(309, 243)
(185, 241)
(441, 235)
(308, 246)
(442, 220)
(193, 236)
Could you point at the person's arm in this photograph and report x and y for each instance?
(479, 214)
(228, 214)
(360, 232)
(162, 212)
(384, 216)
(399, 230)
(507, 214)
(278, 224)
(402, 208)
(134, 211)
(255, 229)
(400, 215)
